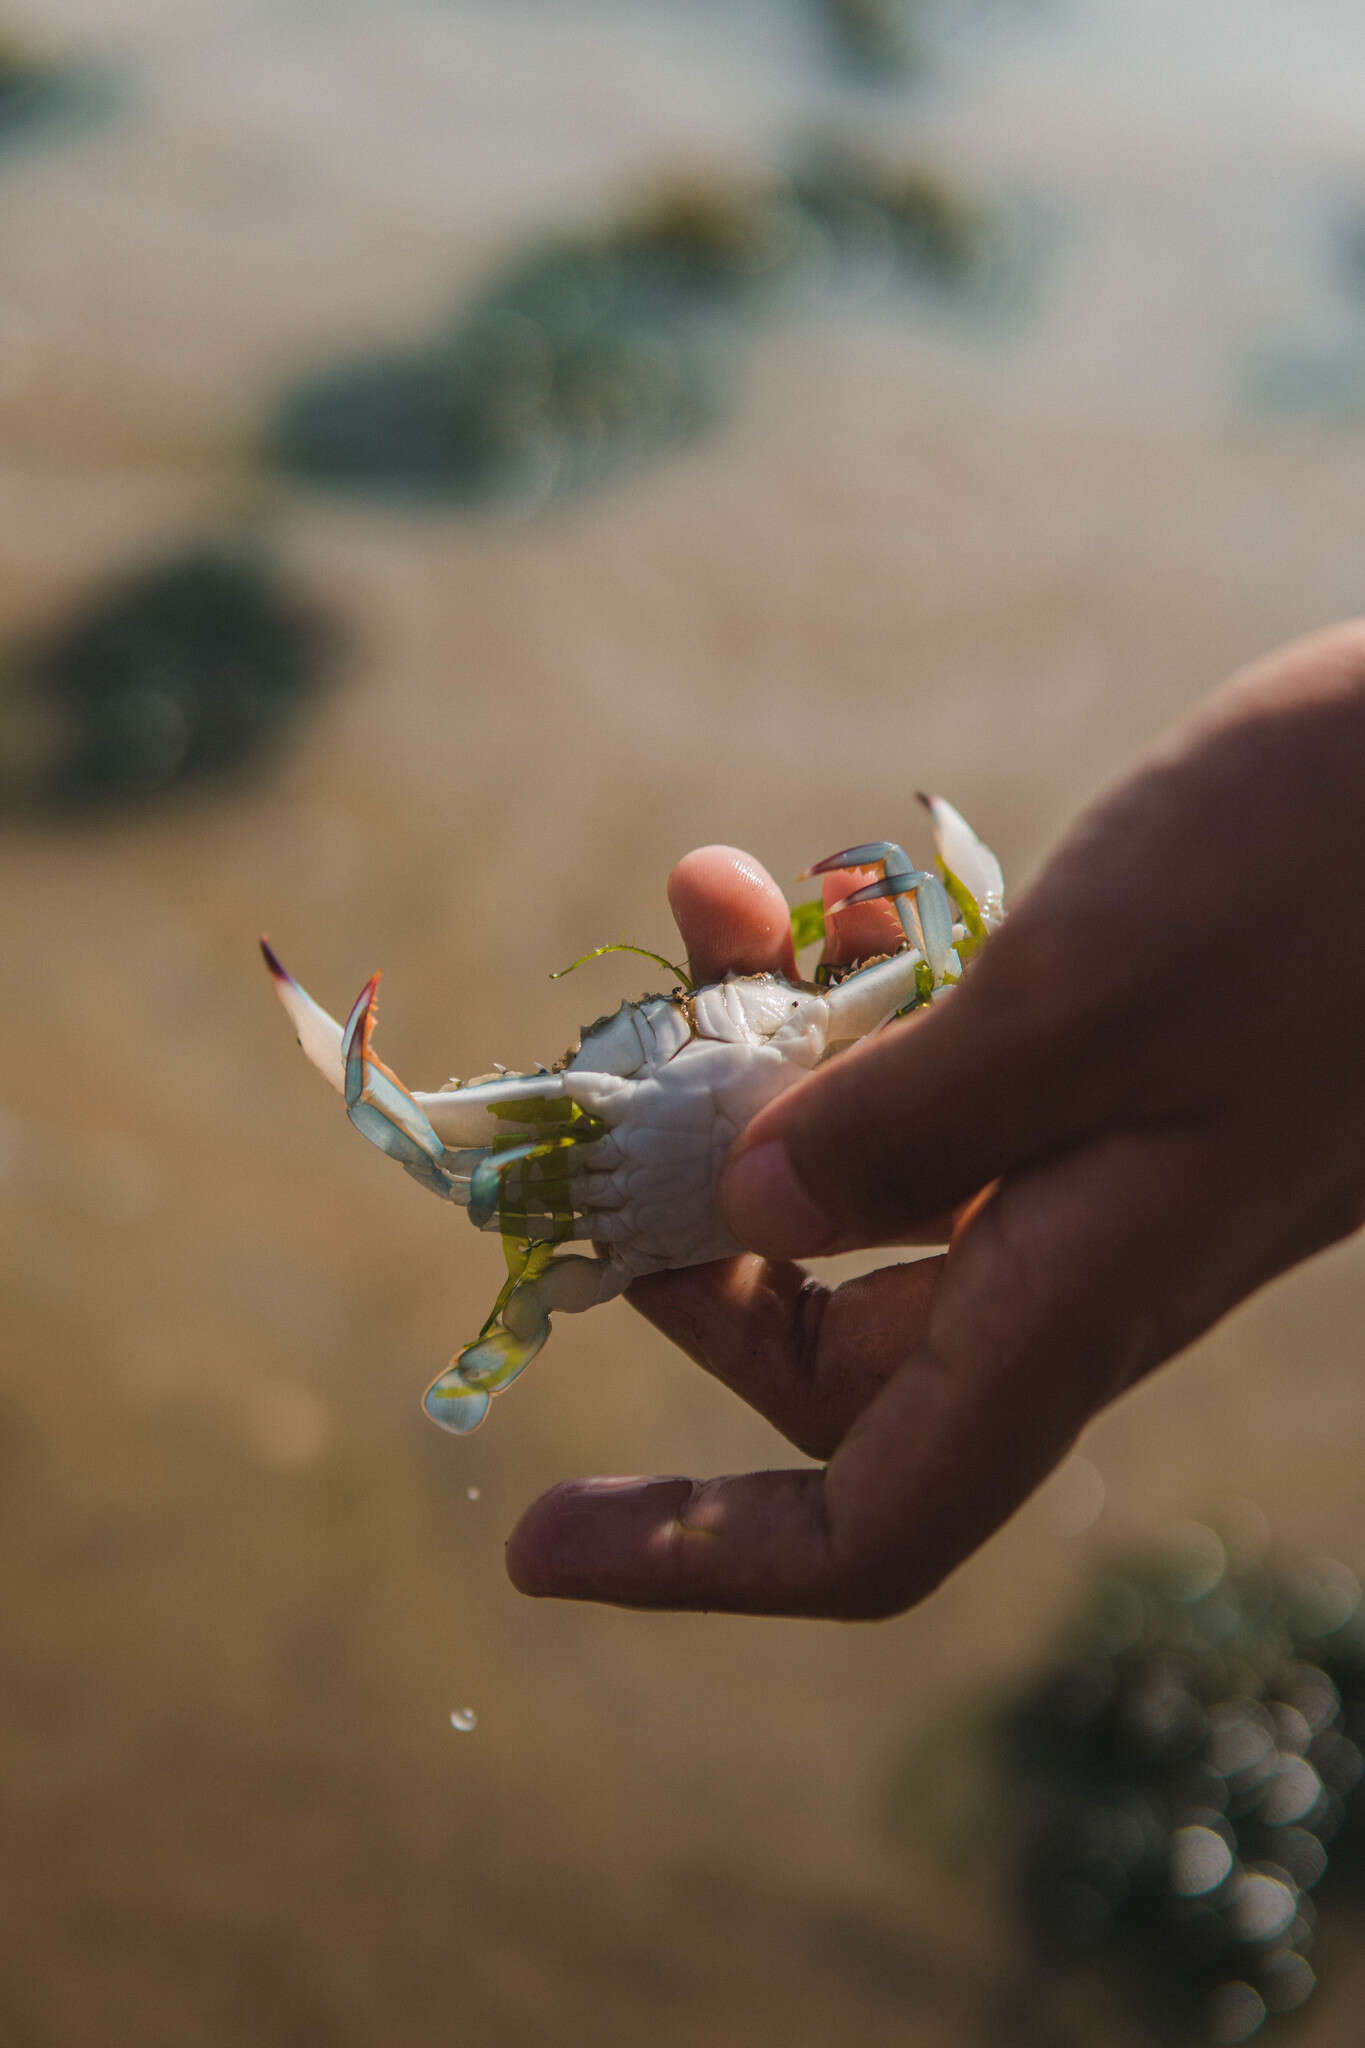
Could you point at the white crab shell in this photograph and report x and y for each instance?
(674, 1079)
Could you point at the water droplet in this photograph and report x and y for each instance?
(1309, 1689)
(463, 1720)
(1329, 1594)
(1291, 1729)
(1200, 1860)
(1237, 2012)
(1301, 1854)
(1262, 1908)
(1075, 1497)
(1198, 1561)
(1294, 1790)
(1339, 1762)
(1241, 1741)
(1245, 1530)
(1287, 1981)
(471, 1493)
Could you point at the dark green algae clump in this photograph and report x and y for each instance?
(594, 353)
(187, 667)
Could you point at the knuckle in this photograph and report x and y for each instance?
(880, 1577)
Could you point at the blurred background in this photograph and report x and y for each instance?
(454, 456)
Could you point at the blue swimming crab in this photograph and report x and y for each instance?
(620, 1145)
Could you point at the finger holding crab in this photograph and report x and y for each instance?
(1145, 1134)
(810, 1359)
(932, 1389)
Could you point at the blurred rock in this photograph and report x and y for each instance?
(881, 38)
(27, 83)
(39, 91)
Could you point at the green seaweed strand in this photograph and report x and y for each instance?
(971, 912)
(542, 1183)
(808, 924)
(679, 974)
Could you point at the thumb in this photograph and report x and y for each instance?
(920, 1117)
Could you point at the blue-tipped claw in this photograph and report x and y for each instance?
(889, 885)
(868, 856)
(921, 901)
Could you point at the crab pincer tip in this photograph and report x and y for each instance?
(277, 967)
(359, 1010)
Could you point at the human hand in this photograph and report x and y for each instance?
(1147, 1099)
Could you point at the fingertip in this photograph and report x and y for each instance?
(584, 1539)
(753, 1544)
(731, 913)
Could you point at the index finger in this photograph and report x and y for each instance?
(1068, 1285)
(731, 913)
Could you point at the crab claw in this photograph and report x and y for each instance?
(874, 853)
(966, 861)
(932, 908)
(921, 901)
(378, 1104)
(318, 1034)
(376, 1101)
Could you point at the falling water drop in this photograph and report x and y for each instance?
(463, 1720)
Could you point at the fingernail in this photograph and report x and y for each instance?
(767, 1209)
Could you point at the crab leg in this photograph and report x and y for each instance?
(872, 996)
(487, 1119)
(458, 1398)
(485, 1185)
